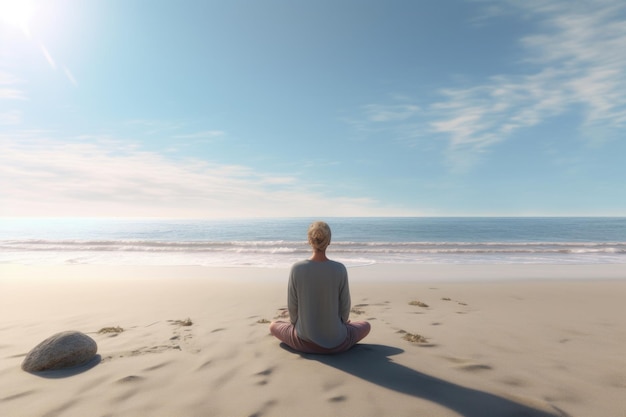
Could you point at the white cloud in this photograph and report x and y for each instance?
(397, 119)
(13, 117)
(12, 94)
(477, 117)
(588, 45)
(7, 79)
(44, 177)
(576, 61)
(581, 61)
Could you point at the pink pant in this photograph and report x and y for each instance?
(286, 333)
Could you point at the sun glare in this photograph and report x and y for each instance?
(16, 13)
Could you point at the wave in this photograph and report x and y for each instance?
(295, 248)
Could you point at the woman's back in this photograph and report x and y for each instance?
(319, 301)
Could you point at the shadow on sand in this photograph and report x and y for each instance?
(371, 363)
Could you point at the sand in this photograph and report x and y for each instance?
(446, 340)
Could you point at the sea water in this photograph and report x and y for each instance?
(281, 242)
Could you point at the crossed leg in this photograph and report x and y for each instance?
(286, 333)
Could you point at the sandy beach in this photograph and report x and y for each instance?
(496, 340)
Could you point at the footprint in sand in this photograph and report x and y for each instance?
(158, 366)
(266, 406)
(456, 301)
(152, 349)
(514, 382)
(357, 311)
(414, 338)
(183, 333)
(418, 304)
(129, 379)
(337, 399)
(262, 374)
(468, 365)
(473, 367)
(181, 338)
(206, 364)
(282, 313)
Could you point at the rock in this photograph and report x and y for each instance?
(63, 350)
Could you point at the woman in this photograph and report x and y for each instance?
(318, 300)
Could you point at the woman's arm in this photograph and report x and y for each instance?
(292, 299)
(344, 298)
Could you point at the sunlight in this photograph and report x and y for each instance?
(16, 13)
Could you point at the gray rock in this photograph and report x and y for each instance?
(63, 350)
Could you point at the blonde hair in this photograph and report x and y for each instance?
(319, 235)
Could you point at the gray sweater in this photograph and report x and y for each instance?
(319, 301)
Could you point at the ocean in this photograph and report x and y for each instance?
(277, 243)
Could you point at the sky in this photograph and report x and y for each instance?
(211, 109)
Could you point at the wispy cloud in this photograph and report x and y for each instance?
(576, 61)
(400, 119)
(477, 117)
(12, 94)
(8, 87)
(46, 177)
(580, 60)
(8, 79)
(13, 117)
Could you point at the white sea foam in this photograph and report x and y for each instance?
(280, 253)
(280, 242)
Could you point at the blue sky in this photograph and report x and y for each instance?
(122, 108)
